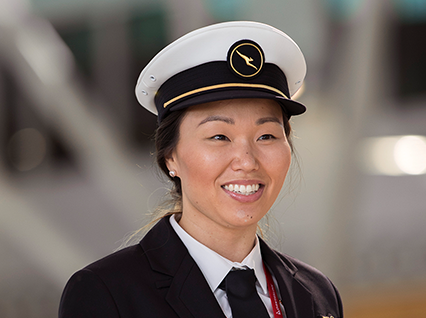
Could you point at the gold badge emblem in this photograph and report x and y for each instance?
(246, 58)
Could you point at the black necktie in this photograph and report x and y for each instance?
(240, 286)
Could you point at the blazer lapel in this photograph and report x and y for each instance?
(189, 291)
(189, 294)
(296, 299)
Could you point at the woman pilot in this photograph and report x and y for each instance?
(222, 94)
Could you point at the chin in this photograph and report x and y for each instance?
(245, 218)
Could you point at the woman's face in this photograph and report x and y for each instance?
(232, 158)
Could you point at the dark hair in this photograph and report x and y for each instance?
(166, 139)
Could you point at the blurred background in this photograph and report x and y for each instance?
(77, 175)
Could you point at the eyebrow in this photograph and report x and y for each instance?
(217, 118)
(264, 120)
(230, 121)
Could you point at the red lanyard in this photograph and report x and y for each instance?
(273, 294)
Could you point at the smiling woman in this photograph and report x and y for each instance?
(236, 151)
(222, 96)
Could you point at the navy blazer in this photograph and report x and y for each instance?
(158, 278)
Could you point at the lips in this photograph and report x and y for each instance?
(242, 189)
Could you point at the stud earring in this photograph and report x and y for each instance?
(172, 173)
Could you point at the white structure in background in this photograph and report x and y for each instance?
(394, 155)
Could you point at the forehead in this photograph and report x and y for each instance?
(237, 109)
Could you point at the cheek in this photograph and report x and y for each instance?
(198, 173)
(279, 161)
(286, 156)
(199, 165)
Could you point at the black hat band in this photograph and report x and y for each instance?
(215, 81)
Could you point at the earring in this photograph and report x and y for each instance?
(172, 173)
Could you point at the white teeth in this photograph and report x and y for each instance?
(242, 189)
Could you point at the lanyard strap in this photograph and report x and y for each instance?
(273, 294)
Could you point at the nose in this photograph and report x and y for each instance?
(244, 158)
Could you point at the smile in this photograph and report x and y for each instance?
(242, 189)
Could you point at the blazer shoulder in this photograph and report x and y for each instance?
(121, 260)
(86, 295)
(303, 270)
(319, 285)
(307, 275)
(121, 284)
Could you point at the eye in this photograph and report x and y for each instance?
(220, 137)
(267, 137)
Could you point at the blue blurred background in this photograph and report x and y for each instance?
(77, 175)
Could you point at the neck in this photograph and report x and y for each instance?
(232, 243)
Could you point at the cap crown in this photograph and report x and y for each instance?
(246, 46)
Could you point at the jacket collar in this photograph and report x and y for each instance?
(189, 294)
(296, 299)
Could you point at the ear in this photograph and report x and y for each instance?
(171, 162)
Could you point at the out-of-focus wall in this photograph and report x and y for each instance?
(76, 174)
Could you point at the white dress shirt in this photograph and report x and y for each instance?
(215, 267)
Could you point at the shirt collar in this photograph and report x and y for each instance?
(214, 266)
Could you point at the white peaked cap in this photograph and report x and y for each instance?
(212, 44)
